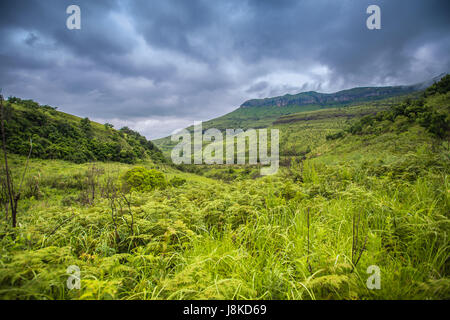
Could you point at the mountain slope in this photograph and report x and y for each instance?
(358, 127)
(378, 196)
(58, 135)
(262, 113)
(323, 99)
(341, 97)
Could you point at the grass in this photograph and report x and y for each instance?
(246, 240)
(267, 116)
(229, 234)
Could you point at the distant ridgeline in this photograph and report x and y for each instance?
(338, 98)
(58, 135)
(263, 113)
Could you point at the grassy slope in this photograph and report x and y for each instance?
(25, 121)
(99, 129)
(265, 116)
(249, 239)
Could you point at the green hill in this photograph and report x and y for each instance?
(262, 113)
(358, 190)
(58, 135)
(428, 115)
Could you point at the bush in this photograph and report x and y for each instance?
(141, 179)
(436, 123)
(335, 136)
(177, 181)
(441, 87)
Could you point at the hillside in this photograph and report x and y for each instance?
(429, 113)
(261, 113)
(337, 98)
(361, 94)
(358, 190)
(58, 135)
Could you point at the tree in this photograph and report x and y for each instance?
(13, 197)
(440, 87)
(86, 127)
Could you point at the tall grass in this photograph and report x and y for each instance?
(310, 232)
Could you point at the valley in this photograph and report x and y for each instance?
(360, 185)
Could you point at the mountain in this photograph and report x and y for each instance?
(348, 196)
(340, 97)
(261, 113)
(411, 120)
(58, 135)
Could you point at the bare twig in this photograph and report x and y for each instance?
(307, 258)
(111, 194)
(62, 223)
(356, 252)
(128, 202)
(360, 253)
(12, 195)
(26, 165)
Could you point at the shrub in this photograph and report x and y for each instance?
(141, 179)
(177, 181)
(440, 87)
(436, 123)
(335, 136)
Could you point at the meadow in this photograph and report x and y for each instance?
(354, 191)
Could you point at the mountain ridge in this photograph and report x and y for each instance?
(339, 97)
(263, 116)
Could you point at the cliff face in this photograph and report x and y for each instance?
(341, 97)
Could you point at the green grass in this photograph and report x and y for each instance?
(229, 234)
(267, 116)
(210, 239)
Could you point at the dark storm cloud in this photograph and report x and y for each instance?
(258, 87)
(159, 65)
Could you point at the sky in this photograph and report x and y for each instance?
(158, 66)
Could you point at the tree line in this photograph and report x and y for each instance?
(56, 136)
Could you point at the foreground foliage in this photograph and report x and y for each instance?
(249, 239)
(379, 196)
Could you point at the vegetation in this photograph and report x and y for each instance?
(258, 114)
(142, 179)
(360, 186)
(434, 117)
(57, 135)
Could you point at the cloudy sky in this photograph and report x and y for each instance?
(157, 66)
